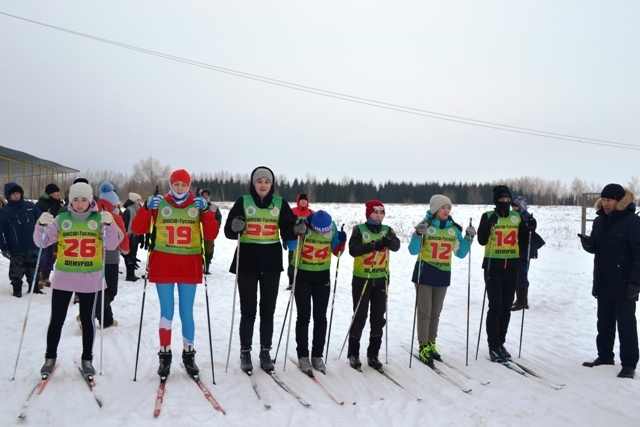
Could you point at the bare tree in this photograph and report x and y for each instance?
(634, 185)
(149, 173)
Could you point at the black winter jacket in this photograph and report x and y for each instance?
(616, 245)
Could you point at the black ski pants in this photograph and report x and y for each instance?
(622, 313)
(501, 289)
(22, 265)
(374, 295)
(248, 290)
(59, 306)
(312, 287)
(111, 290)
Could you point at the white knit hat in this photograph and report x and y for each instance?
(134, 196)
(437, 201)
(80, 189)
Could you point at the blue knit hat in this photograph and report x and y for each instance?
(107, 193)
(321, 222)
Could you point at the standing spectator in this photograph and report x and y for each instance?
(370, 244)
(108, 201)
(17, 223)
(301, 211)
(255, 220)
(615, 242)
(209, 243)
(501, 231)
(131, 207)
(48, 202)
(527, 253)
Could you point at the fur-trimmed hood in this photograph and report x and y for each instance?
(626, 200)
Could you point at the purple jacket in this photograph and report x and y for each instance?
(83, 283)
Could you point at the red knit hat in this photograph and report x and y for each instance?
(373, 205)
(180, 175)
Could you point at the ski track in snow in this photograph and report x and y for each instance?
(559, 335)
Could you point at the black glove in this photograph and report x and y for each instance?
(147, 241)
(377, 245)
(284, 245)
(633, 290)
(493, 220)
(142, 242)
(532, 224)
(587, 241)
(387, 241)
(6, 253)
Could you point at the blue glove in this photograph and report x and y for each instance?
(342, 237)
(154, 202)
(201, 203)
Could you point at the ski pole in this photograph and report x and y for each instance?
(233, 305)
(104, 260)
(144, 295)
(386, 320)
(415, 308)
(26, 316)
(524, 308)
(353, 318)
(291, 297)
(466, 361)
(487, 276)
(286, 311)
(206, 295)
(333, 300)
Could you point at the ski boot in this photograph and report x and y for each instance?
(354, 362)
(165, 363)
(245, 361)
(189, 360)
(305, 365)
(88, 371)
(627, 372)
(374, 362)
(505, 353)
(495, 354)
(47, 368)
(425, 354)
(598, 362)
(434, 351)
(318, 364)
(265, 359)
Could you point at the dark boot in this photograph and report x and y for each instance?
(521, 302)
(17, 290)
(165, 363)
(374, 362)
(189, 360)
(245, 360)
(265, 360)
(131, 276)
(627, 372)
(598, 362)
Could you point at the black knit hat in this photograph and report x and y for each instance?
(51, 188)
(612, 191)
(499, 192)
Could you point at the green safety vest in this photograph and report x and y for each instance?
(438, 246)
(178, 229)
(79, 244)
(316, 251)
(373, 265)
(503, 242)
(262, 224)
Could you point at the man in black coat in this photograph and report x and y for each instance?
(48, 202)
(615, 242)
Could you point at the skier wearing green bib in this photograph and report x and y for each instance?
(256, 219)
(501, 231)
(370, 244)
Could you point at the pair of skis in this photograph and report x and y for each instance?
(530, 373)
(196, 378)
(261, 395)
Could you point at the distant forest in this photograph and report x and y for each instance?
(225, 186)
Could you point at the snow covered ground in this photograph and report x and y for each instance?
(559, 334)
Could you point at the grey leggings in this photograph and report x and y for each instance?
(430, 302)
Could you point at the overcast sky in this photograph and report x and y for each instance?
(565, 67)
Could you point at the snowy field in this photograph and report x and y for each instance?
(559, 334)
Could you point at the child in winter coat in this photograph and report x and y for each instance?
(313, 284)
(179, 221)
(255, 220)
(79, 267)
(436, 238)
(501, 232)
(370, 244)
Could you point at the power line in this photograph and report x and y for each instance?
(346, 97)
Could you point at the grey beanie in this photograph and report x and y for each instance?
(437, 201)
(261, 173)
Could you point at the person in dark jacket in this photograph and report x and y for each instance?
(255, 220)
(209, 245)
(527, 253)
(501, 232)
(369, 245)
(17, 223)
(131, 207)
(48, 202)
(615, 242)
